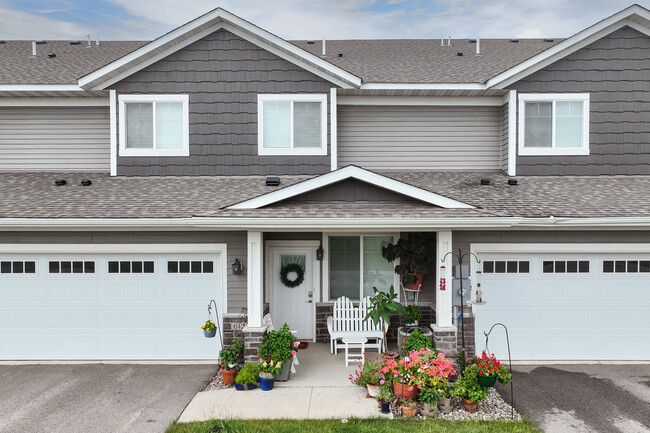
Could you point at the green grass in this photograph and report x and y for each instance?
(353, 426)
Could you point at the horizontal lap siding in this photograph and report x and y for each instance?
(615, 71)
(420, 137)
(54, 139)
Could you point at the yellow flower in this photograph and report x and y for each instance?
(278, 365)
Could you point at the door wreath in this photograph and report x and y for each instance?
(289, 268)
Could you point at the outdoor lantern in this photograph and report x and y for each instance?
(236, 267)
(319, 253)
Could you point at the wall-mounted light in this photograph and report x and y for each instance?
(319, 253)
(236, 267)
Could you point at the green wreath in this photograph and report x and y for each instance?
(286, 270)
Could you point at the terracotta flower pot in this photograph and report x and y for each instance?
(408, 412)
(469, 406)
(444, 404)
(418, 284)
(228, 376)
(402, 391)
(389, 355)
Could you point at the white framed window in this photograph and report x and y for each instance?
(355, 265)
(154, 125)
(554, 124)
(292, 124)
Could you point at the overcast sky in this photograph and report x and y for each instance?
(300, 19)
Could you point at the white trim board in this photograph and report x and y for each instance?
(54, 102)
(351, 172)
(482, 101)
(111, 248)
(478, 248)
(203, 26)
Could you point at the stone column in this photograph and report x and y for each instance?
(445, 339)
(252, 340)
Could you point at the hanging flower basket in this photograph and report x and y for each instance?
(209, 334)
(486, 381)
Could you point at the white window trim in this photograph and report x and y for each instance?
(261, 150)
(553, 97)
(124, 99)
(326, 263)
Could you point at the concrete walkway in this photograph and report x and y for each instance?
(320, 388)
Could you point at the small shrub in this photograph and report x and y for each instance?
(248, 374)
(416, 341)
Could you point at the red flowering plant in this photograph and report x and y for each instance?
(367, 374)
(419, 369)
(491, 366)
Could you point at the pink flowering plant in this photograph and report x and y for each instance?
(368, 374)
(419, 369)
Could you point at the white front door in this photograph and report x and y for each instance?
(294, 305)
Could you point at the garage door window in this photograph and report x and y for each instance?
(506, 267)
(626, 266)
(71, 267)
(565, 267)
(190, 267)
(130, 267)
(17, 267)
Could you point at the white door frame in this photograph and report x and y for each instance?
(269, 247)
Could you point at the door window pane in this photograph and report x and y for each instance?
(345, 262)
(377, 271)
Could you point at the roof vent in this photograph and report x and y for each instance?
(86, 182)
(514, 41)
(311, 42)
(340, 54)
(549, 40)
(51, 55)
(459, 54)
(60, 182)
(472, 41)
(512, 181)
(41, 42)
(272, 181)
(485, 181)
(3, 42)
(75, 42)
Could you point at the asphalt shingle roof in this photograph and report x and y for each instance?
(34, 195)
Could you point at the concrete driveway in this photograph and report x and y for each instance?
(96, 397)
(583, 398)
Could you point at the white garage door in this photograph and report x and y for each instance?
(110, 305)
(566, 306)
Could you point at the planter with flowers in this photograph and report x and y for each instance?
(209, 329)
(491, 370)
(409, 407)
(429, 399)
(268, 370)
(368, 376)
(231, 359)
(386, 397)
(279, 347)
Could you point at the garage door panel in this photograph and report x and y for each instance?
(120, 292)
(69, 319)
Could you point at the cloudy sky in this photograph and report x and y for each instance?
(300, 19)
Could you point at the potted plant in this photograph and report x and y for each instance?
(491, 370)
(408, 407)
(268, 370)
(231, 358)
(412, 315)
(416, 340)
(385, 397)
(278, 346)
(429, 399)
(247, 377)
(368, 376)
(416, 252)
(382, 304)
(209, 329)
(469, 389)
(445, 392)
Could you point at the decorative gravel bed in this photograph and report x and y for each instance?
(216, 383)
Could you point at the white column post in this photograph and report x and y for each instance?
(255, 292)
(444, 307)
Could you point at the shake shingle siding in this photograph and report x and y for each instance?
(615, 71)
(223, 74)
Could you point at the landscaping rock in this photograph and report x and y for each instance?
(492, 408)
(216, 383)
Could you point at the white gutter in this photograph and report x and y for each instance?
(205, 223)
(41, 88)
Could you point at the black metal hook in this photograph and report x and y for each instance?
(512, 393)
(216, 322)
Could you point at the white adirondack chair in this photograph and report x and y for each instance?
(347, 320)
(370, 330)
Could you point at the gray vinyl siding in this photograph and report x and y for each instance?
(504, 137)
(54, 139)
(615, 71)
(419, 137)
(236, 244)
(352, 191)
(223, 74)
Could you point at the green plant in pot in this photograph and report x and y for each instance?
(409, 407)
(382, 304)
(231, 358)
(429, 398)
(412, 315)
(416, 252)
(268, 370)
(416, 341)
(386, 397)
(469, 389)
(247, 377)
(491, 370)
(278, 346)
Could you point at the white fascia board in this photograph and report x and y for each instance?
(203, 26)
(111, 248)
(113, 130)
(560, 248)
(333, 129)
(354, 173)
(483, 101)
(54, 102)
(423, 86)
(572, 44)
(41, 88)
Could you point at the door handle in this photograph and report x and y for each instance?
(308, 302)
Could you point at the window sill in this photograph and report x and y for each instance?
(291, 152)
(154, 152)
(552, 152)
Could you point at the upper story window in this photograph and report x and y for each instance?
(292, 124)
(554, 124)
(154, 125)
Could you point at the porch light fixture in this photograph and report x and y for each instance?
(319, 253)
(236, 267)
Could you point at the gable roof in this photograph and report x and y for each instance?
(351, 172)
(203, 26)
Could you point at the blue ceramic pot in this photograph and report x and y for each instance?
(209, 334)
(385, 407)
(249, 386)
(266, 384)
